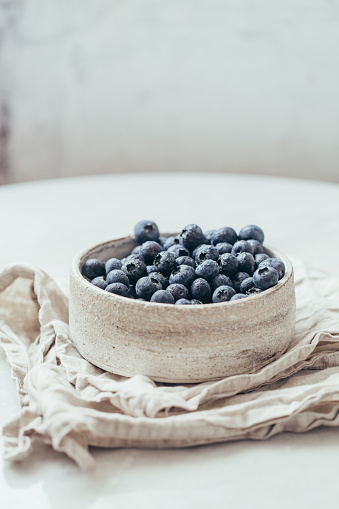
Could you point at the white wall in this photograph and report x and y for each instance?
(100, 86)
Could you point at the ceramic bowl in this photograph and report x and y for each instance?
(178, 344)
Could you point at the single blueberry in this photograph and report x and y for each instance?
(165, 262)
(182, 302)
(131, 257)
(206, 252)
(201, 290)
(237, 279)
(252, 231)
(257, 247)
(171, 241)
(242, 246)
(178, 291)
(246, 263)
(277, 264)
(183, 274)
(146, 286)
(220, 280)
(93, 268)
(207, 269)
(149, 250)
(260, 258)
(223, 294)
(161, 278)
(228, 264)
(191, 236)
(146, 230)
(208, 236)
(265, 277)
(178, 250)
(247, 284)
(195, 301)
(151, 269)
(135, 269)
(224, 247)
(186, 260)
(195, 250)
(99, 282)
(163, 297)
(117, 276)
(238, 296)
(113, 263)
(118, 289)
(225, 234)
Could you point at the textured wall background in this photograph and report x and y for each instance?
(101, 86)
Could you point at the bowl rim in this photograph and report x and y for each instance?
(79, 258)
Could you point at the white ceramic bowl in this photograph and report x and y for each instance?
(178, 344)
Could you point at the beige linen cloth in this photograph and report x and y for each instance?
(69, 403)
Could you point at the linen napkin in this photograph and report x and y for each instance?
(70, 404)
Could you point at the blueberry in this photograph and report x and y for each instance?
(161, 278)
(165, 262)
(150, 269)
(237, 279)
(257, 247)
(220, 280)
(252, 232)
(183, 274)
(208, 236)
(146, 230)
(277, 264)
(260, 258)
(228, 264)
(191, 236)
(117, 276)
(162, 240)
(195, 301)
(206, 252)
(118, 289)
(201, 290)
(178, 291)
(265, 277)
(208, 269)
(136, 250)
(113, 263)
(247, 284)
(242, 246)
(178, 250)
(99, 282)
(246, 263)
(149, 250)
(93, 268)
(223, 294)
(135, 269)
(253, 291)
(238, 296)
(224, 247)
(225, 234)
(132, 291)
(146, 286)
(182, 302)
(132, 257)
(186, 260)
(163, 297)
(171, 241)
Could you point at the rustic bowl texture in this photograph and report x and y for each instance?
(178, 344)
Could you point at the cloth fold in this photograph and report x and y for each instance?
(70, 404)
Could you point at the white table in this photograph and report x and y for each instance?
(46, 223)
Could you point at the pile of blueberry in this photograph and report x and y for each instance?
(194, 267)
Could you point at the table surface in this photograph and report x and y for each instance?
(47, 223)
